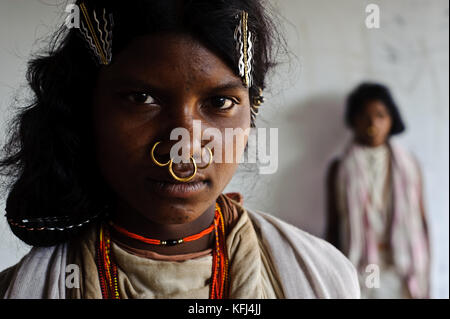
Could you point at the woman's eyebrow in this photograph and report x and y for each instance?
(231, 85)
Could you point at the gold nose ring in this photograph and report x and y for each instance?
(152, 153)
(183, 179)
(210, 159)
(170, 164)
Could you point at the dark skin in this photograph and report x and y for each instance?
(158, 83)
(371, 127)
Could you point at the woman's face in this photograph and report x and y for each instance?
(373, 125)
(156, 84)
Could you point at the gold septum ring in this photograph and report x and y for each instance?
(170, 164)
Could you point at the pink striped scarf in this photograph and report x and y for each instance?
(408, 239)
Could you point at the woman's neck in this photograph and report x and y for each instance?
(365, 144)
(136, 223)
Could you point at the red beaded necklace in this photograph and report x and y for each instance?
(168, 242)
(107, 269)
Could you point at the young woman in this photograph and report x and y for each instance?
(375, 201)
(96, 186)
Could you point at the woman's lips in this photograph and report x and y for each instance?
(177, 189)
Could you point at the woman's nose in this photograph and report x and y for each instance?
(183, 135)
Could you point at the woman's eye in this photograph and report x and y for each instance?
(222, 103)
(141, 98)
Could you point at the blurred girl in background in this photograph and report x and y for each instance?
(375, 201)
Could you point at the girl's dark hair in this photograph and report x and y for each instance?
(367, 92)
(56, 187)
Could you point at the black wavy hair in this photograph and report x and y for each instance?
(56, 186)
(367, 92)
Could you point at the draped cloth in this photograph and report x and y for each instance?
(406, 234)
(268, 259)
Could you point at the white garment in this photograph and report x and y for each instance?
(377, 160)
(376, 164)
(391, 285)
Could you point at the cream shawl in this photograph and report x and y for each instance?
(407, 236)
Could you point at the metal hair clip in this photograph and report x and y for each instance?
(244, 45)
(98, 36)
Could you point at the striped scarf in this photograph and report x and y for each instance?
(407, 237)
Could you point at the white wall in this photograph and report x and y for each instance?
(23, 24)
(333, 51)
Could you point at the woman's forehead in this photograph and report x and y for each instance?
(170, 58)
(375, 105)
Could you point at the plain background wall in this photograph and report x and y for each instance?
(332, 51)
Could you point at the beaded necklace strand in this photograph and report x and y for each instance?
(168, 242)
(107, 269)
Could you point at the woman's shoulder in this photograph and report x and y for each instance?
(306, 260)
(6, 276)
(36, 275)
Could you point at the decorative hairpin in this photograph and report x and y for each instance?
(244, 46)
(98, 35)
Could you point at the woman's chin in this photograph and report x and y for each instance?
(174, 215)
